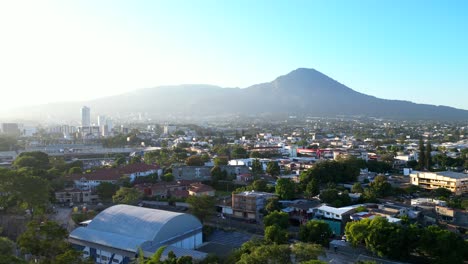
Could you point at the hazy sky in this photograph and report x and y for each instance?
(75, 50)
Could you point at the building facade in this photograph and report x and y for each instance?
(85, 116)
(453, 181)
(247, 205)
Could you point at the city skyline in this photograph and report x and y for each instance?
(55, 51)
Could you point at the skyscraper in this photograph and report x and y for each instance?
(85, 116)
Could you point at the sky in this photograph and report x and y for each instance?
(78, 50)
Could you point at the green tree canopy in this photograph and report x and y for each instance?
(272, 205)
(257, 167)
(285, 189)
(260, 185)
(202, 207)
(276, 234)
(277, 218)
(127, 196)
(357, 188)
(194, 161)
(238, 152)
(106, 190)
(44, 240)
(220, 161)
(273, 168)
(315, 231)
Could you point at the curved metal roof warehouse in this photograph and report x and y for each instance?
(124, 229)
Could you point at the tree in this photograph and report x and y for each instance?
(356, 232)
(329, 195)
(422, 155)
(312, 188)
(442, 192)
(357, 188)
(6, 246)
(428, 156)
(273, 168)
(443, 246)
(255, 155)
(205, 157)
(285, 189)
(220, 161)
(40, 160)
(272, 205)
(194, 161)
(260, 185)
(306, 252)
(238, 152)
(276, 234)
(75, 170)
(106, 190)
(267, 254)
(257, 167)
(120, 160)
(277, 218)
(44, 240)
(135, 159)
(72, 257)
(202, 207)
(127, 196)
(168, 177)
(33, 192)
(380, 187)
(383, 238)
(217, 174)
(316, 231)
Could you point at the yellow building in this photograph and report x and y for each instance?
(453, 181)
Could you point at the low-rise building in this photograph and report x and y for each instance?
(453, 181)
(336, 218)
(74, 195)
(247, 205)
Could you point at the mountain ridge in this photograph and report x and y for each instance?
(302, 91)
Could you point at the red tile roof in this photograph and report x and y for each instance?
(137, 167)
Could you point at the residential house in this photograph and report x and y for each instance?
(336, 218)
(113, 175)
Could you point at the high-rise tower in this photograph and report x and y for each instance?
(85, 116)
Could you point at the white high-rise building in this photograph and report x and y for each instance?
(85, 116)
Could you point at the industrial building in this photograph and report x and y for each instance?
(119, 233)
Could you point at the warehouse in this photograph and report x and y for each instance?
(117, 234)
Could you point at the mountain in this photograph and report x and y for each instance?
(301, 92)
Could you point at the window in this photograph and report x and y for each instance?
(116, 261)
(104, 258)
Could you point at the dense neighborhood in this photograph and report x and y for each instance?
(361, 190)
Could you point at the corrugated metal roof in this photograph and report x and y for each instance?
(127, 227)
(107, 239)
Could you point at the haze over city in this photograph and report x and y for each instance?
(70, 51)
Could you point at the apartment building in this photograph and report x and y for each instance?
(247, 205)
(453, 181)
